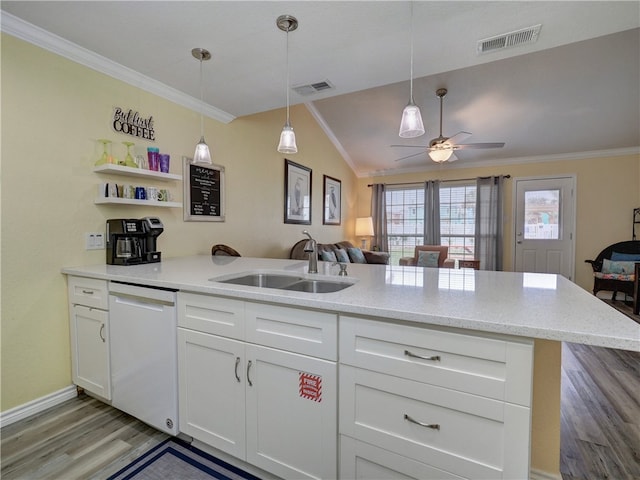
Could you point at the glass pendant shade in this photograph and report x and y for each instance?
(441, 155)
(202, 155)
(287, 140)
(411, 124)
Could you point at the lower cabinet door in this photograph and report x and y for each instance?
(212, 390)
(90, 350)
(291, 414)
(362, 461)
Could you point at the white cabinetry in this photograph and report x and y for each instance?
(250, 387)
(89, 327)
(430, 403)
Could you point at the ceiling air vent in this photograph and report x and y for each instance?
(312, 88)
(511, 39)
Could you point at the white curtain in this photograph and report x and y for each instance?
(379, 216)
(489, 213)
(432, 212)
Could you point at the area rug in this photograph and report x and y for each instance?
(177, 460)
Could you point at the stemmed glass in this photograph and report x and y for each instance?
(128, 160)
(105, 157)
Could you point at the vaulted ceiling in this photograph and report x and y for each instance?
(573, 92)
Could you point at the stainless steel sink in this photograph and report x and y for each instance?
(292, 283)
(264, 280)
(317, 286)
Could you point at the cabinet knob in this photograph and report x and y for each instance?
(101, 333)
(248, 377)
(236, 372)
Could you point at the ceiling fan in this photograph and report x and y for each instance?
(441, 148)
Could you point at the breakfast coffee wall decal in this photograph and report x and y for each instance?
(132, 123)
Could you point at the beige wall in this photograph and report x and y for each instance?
(607, 191)
(53, 110)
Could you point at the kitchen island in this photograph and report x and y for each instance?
(433, 340)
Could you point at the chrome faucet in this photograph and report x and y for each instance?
(311, 247)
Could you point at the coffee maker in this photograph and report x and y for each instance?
(133, 241)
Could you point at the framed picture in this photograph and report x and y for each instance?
(203, 192)
(297, 193)
(331, 200)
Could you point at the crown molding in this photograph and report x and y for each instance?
(39, 37)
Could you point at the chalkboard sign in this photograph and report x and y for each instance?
(203, 192)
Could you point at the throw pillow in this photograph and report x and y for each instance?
(625, 257)
(356, 255)
(428, 258)
(328, 256)
(626, 268)
(342, 255)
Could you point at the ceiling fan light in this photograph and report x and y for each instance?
(287, 140)
(440, 155)
(411, 125)
(202, 154)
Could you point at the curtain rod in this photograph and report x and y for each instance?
(443, 181)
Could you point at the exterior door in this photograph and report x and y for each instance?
(545, 225)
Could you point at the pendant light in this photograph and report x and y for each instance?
(287, 144)
(411, 125)
(202, 154)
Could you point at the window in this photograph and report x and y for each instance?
(541, 214)
(458, 220)
(405, 220)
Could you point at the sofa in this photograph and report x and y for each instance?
(429, 259)
(344, 252)
(615, 270)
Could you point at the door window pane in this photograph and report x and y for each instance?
(542, 214)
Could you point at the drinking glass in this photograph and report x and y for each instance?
(128, 160)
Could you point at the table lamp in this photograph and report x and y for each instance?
(364, 229)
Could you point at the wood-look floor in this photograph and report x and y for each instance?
(600, 433)
(81, 438)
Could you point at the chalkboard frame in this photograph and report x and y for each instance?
(187, 182)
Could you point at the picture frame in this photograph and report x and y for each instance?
(204, 192)
(331, 200)
(297, 193)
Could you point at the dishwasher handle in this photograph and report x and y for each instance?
(140, 299)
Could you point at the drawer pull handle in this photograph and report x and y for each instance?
(104, 340)
(433, 426)
(435, 358)
(249, 378)
(87, 292)
(237, 363)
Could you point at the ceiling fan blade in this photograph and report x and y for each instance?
(468, 146)
(459, 137)
(452, 158)
(412, 146)
(408, 156)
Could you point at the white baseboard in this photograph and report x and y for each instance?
(540, 475)
(38, 405)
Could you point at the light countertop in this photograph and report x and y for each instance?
(522, 304)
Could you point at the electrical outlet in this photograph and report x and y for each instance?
(94, 240)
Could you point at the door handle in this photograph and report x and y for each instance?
(519, 242)
(249, 378)
(100, 333)
(236, 372)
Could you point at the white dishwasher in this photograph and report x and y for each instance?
(144, 365)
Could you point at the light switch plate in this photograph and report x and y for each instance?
(94, 240)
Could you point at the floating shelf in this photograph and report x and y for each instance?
(136, 172)
(133, 201)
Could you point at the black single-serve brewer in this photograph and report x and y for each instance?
(133, 241)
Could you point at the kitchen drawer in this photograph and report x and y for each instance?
(475, 437)
(494, 368)
(362, 461)
(209, 314)
(89, 292)
(295, 330)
